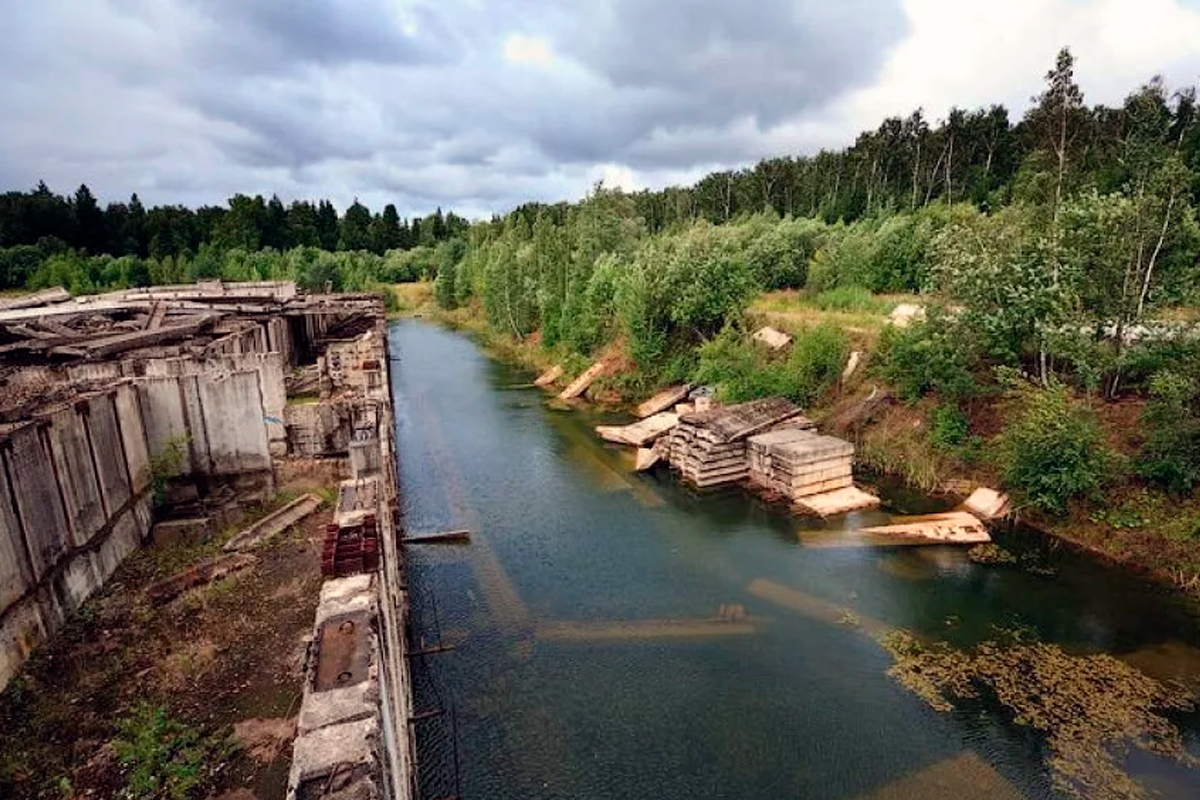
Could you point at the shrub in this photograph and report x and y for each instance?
(1171, 454)
(743, 370)
(949, 428)
(814, 363)
(1052, 451)
(933, 356)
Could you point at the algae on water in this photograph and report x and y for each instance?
(1092, 709)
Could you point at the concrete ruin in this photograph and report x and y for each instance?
(176, 405)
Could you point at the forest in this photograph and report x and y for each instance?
(1056, 259)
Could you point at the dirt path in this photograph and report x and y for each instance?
(221, 662)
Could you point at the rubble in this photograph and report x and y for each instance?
(639, 434)
(663, 400)
(772, 337)
(709, 448)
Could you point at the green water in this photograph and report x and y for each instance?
(798, 708)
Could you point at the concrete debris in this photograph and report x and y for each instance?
(905, 314)
(684, 408)
(839, 501)
(709, 448)
(274, 522)
(549, 376)
(182, 532)
(852, 365)
(952, 527)
(647, 457)
(581, 384)
(663, 400)
(206, 571)
(772, 337)
(796, 462)
(987, 504)
(639, 434)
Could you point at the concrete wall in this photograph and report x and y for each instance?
(216, 418)
(75, 482)
(69, 512)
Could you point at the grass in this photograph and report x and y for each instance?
(413, 299)
(854, 310)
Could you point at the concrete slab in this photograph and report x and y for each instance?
(233, 418)
(772, 337)
(122, 540)
(337, 706)
(639, 434)
(663, 400)
(133, 437)
(182, 532)
(164, 419)
(581, 384)
(839, 501)
(966, 776)
(37, 499)
(335, 748)
(987, 504)
(350, 595)
(16, 573)
(644, 629)
(548, 377)
(77, 480)
(275, 522)
(21, 629)
(952, 527)
(105, 437)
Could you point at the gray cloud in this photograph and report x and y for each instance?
(415, 103)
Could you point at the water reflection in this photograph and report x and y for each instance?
(594, 659)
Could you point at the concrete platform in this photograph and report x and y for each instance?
(639, 434)
(964, 777)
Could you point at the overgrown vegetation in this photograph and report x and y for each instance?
(1052, 451)
(166, 759)
(1090, 709)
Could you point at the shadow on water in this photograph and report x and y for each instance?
(592, 658)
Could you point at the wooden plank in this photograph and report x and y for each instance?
(128, 341)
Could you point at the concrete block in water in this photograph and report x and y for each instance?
(37, 496)
(76, 475)
(105, 437)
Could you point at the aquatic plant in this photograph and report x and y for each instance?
(1091, 709)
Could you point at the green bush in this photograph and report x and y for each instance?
(933, 356)
(949, 429)
(1052, 451)
(1171, 455)
(743, 370)
(814, 363)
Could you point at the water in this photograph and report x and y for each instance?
(577, 674)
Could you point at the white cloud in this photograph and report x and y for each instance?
(520, 48)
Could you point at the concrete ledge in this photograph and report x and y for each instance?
(274, 522)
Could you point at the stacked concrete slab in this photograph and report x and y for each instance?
(709, 447)
(796, 462)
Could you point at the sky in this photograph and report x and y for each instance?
(479, 106)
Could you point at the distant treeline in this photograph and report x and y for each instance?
(38, 225)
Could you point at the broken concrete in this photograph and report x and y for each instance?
(838, 501)
(274, 523)
(663, 400)
(987, 504)
(952, 527)
(773, 338)
(581, 384)
(548, 377)
(639, 434)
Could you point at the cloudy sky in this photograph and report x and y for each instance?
(478, 105)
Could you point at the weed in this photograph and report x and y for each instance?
(166, 759)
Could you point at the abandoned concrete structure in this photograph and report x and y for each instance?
(176, 404)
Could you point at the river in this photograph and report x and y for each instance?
(619, 636)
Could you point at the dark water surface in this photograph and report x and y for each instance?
(587, 664)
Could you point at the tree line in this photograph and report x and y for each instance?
(39, 224)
